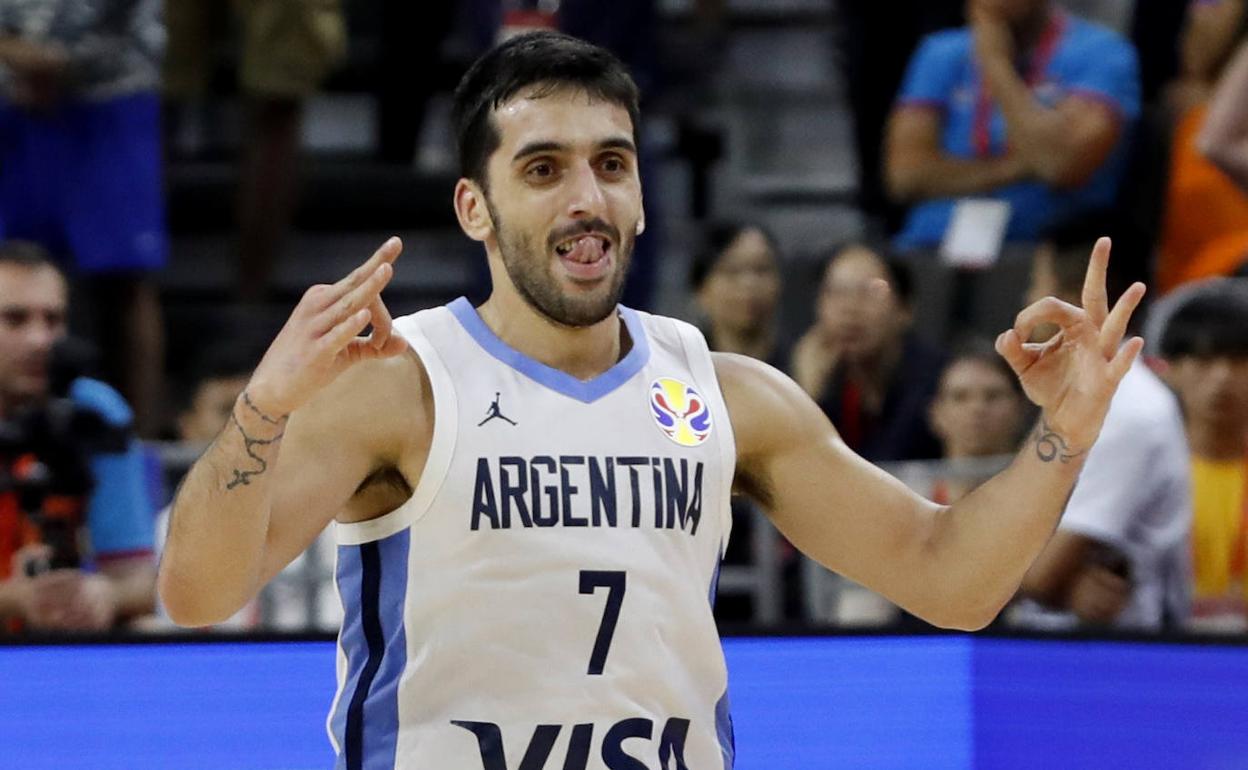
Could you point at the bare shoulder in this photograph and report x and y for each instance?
(383, 408)
(777, 429)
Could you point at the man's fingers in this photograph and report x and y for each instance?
(363, 349)
(360, 297)
(1095, 296)
(1017, 355)
(1123, 359)
(385, 254)
(1048, 310)
(339, 337)
(1115, 326)
(382, 323)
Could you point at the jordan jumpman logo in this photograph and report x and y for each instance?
(495, 412)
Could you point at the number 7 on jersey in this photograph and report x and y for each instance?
(614, 582)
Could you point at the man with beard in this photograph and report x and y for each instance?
(514, 591)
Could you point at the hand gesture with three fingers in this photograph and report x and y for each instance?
(1073, 376)
(321, 337)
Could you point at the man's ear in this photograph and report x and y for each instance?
(1161, 367)
(471, 210)
(641, 222)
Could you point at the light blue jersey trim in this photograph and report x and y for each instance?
(585, 391)
(372, 579)
(723, 709)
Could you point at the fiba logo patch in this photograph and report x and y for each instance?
(680, 411)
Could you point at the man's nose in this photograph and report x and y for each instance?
(1220, 370)
(586, 198)
(42, 336)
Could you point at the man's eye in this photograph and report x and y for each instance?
(613, 165)
(541, 170)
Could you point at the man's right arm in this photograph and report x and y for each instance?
(302, 437)
(917, 169)
(268, 486)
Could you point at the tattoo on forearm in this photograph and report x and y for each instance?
(260, 414)
(250, 443)
(1051, 446)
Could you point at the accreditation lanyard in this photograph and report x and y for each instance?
(1040, 59)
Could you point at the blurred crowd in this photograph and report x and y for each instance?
(995, 141)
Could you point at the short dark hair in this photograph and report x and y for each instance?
(222, 360)
(1208, 324)
(26, 254)
(719, 236)
(550, 59)
(899, 277)
(981, 351)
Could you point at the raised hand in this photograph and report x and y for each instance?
(1073, 376)
(321, 337)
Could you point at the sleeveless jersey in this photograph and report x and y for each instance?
(543, 599)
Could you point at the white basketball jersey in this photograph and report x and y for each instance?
(543, 600)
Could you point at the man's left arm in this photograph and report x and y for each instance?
(956, 565)
(1064, 144)
(1083, 569)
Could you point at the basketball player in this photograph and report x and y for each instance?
(538, 594)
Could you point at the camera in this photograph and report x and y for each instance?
(45, 454)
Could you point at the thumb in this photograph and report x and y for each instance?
(362, 349)
(1011, 348)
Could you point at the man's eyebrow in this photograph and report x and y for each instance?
(533, 148)
(613, 143)
(618, 143)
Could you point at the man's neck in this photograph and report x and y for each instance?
(874, 373)
(583, 352)
(1213, 441)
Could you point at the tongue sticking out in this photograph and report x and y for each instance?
(585, 250)
(587, 260)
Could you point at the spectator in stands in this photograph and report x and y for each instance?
(1120, 554)
(861, 362)
(220, 375)
(286, 50)
(978, 412)
(1029, 106)
(1224, 138)
(80, 167)
(1205, 347)
(83, 483)
(1205, 224)
(736, 284)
